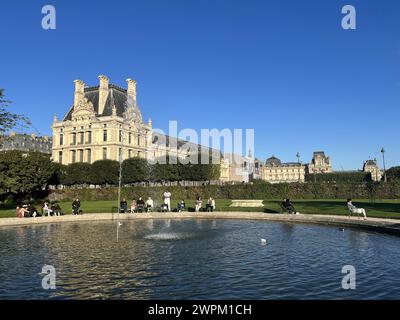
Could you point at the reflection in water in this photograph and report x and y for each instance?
(196, 259)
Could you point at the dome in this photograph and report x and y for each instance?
(273, 162)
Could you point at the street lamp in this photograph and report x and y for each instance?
(298, 161)
(384, 165)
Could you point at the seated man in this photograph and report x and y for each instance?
(287, 205)
(76, 204)
(164, 207)
(181, 205)
(353, 209)
(140, 204)
(210, 206)
(123, 206)
(56, 209)
(149, 204)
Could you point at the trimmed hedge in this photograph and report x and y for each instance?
(259, 190)
(340, 177)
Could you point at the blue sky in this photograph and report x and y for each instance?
(285, 68)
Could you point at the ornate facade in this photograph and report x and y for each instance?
(372, 167)
(274, 171)
(105, 122)
(319, 163)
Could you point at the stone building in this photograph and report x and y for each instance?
(372, 167)
(320, 163)
(237, 168)
(274, 171)
(105, 122)
(25, 142)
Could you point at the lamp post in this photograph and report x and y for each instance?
(384, 165)
(298, 161)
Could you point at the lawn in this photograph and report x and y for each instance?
(381, 208)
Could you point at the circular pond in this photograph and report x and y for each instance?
(197, 259)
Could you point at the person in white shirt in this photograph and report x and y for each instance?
(353, 209)
(167, 199)
(149, 204)
(198, 203)
(46, 209)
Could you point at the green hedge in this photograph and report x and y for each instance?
(243, 191)
(340, 177)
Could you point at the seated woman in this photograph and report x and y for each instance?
(133, 206)
(21, 212)
(198, 204)
(46, 209)
(140, 204)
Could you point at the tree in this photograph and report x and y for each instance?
(393, 174)
(8, 119)
(24, 175)
(78, 173)
(135, 170)
(105, 172)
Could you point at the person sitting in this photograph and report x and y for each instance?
(210, 206)
(149, 204)
(123, 206)
(76, 204)
(181, 206)
(21, 212)
(288, 206)
(140, 205)
(198, 204)
(56, 209)
(353, 209)
(47, 210)
(164, 207)
(133, 206)
(32, 211)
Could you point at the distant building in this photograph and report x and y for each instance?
(25, 142)
(372, 167)
(239, 168)
(320, 163)
(274, 171)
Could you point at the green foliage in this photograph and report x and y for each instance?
(25, 175)
(135, 170)
(393, 173)
(340, 177)
(105, 172)
(77, 173)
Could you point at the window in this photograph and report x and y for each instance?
(60, 157)
(73, 139)
(61, 139)
(82, 137)
(104, 153)
(120, 135)
(104, 135)
(138, 140)
(120, 154)
(130, 138)
(80, 155)
(130, 153)
(73, 156)
(89, 137)
(89, 155)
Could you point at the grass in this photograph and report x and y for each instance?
(380, 208)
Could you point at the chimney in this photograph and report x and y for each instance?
(79, 91)
(131, 90)
(103, 93)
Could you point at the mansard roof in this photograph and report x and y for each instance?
(116, 96)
